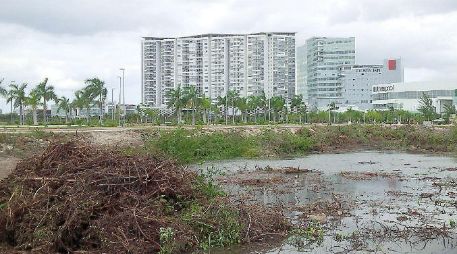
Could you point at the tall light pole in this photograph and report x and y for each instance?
(119, 102)
(123, 94)
(226, 107)
(112, 104)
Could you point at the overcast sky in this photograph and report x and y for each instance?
(69, 41)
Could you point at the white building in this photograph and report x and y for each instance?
(301, 59)
(406, 96)
(250, 64)
(357, 81)
(324, 58)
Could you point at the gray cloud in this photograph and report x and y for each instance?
(69, 41)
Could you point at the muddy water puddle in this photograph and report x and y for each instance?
(364, 202)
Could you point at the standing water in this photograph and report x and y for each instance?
(363, 202)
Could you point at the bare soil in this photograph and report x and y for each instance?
(7, 164)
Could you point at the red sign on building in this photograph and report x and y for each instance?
(392, 65)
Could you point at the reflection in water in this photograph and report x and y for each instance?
(392, 200)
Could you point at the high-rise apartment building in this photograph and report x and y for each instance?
(302, 70)
(324, 58)
(357, 81)
(250, 64)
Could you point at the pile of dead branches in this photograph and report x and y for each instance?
(78, 197)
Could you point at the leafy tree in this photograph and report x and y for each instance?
(63, 103)
(226, 102)
(97, 92)
(83, 100)
(34, 100)
(426, 107)
(242, 104)
(46, 93)
(373, 116)
(277, 103)
(176, 101)
(331, 107)
(253, 103)
(403, 116)
(449, 109)
(262, 104)
(232, 97)
(190, 97)
(297, 104)
(88, 101)
(304, 111)
(205, 103)
(3, 91)
(78, 102)
(17, 93)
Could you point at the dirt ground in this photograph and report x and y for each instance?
(7, 165)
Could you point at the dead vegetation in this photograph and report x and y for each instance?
(78, 197)
(354, 175)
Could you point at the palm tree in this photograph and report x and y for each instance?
(47, 93)
(9, 99)
(96, 89)
(296, 104)
(205, 103)
(222, 101)
(17, 94)
(252, 103)
(262, 103)
(64, 104)
(3, 91)
(78, 102)
(176, 101)
(5, 94)
(34, 100)
(277, 103)
(190, 96)
(87, 101)
(232, 97)
(304, 110)
(242, 104)
(331, 106)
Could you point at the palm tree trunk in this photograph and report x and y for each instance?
(45, 119)
(87, 115)
(101, 110)
(178, 114)
(35, 117)
(205, 120)
(193, 114)
(21, 115)
(233, 113)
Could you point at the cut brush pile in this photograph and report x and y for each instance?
(79, 197)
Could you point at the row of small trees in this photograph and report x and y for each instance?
(272, 109)
(94, 93)
(275, 109)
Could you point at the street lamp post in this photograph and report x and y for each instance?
(123, 96)
(112, 104)
(119, 102)
(226, 108)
